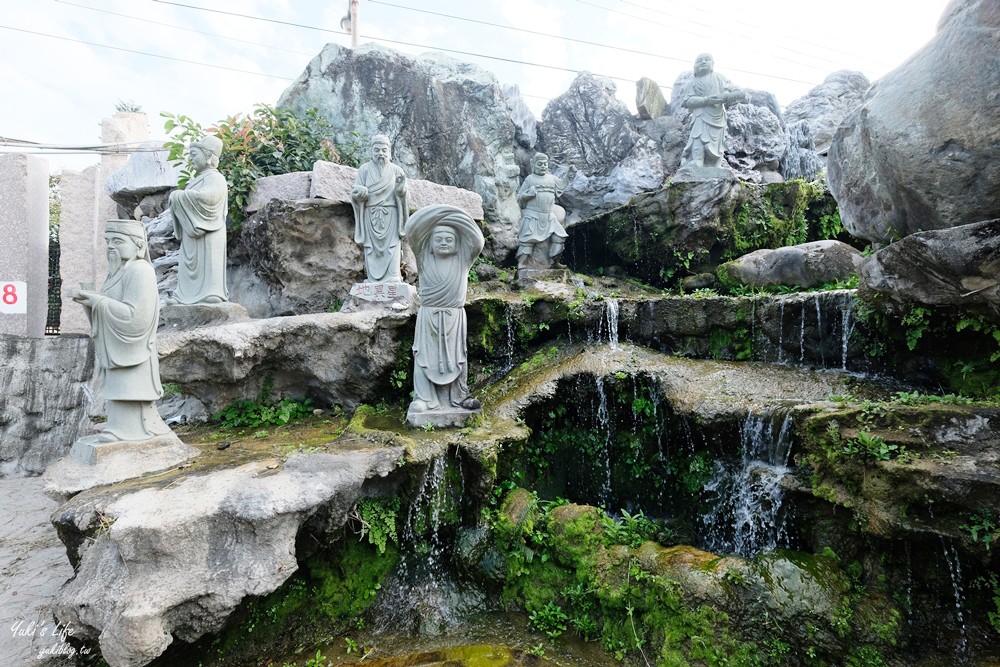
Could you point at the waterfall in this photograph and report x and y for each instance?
(819, 332)
(846, 328)
(611, 314)
(746, 515)
(603, 425)
(421, 595)
(508, 345)
(955, 571)
(781, 331)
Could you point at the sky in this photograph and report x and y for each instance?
(60, 76)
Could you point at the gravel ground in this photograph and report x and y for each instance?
(33, 565)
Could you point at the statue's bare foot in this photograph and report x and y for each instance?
(419, 406)
(212, 299)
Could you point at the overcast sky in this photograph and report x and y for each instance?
(57, 90)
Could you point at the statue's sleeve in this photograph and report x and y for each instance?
(359, 209)
(125, 325)
(201, 207)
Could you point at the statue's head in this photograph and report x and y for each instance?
(540, 164)
(704, 64)
(444, 241)
(126, 240)
(206, 152)
(381, 149)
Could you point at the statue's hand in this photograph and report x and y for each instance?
(400, 185)
(360, 193)
(84, 297)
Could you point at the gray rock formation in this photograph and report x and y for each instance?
(805, 265)
(824, 107)
(45, 402)
(649, 100)
(296, 257)
(146, 173)
(589, 128)
(920, 152)
(948, 267)
(448, 121)
(176, 561)
(336, 358)
(801, 159)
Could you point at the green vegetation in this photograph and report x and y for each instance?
(377, 520)
(266, 142)
(263, 410)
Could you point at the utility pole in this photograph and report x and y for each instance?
(350, 23)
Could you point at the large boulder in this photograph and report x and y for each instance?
(649, 100)
(948, 267)
(824, 108)
(448, 121)
(334, 358)
(804, 265)
(176, 561)
(296, 257)
(590, 129)
(145, 173)
(921, 152)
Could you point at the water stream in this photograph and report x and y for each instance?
(747, 514)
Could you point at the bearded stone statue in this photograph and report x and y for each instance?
(379, 198)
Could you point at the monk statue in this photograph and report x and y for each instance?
(542, 236)
(380, 212)
(199, 212)
(446, 241)
(707, 95)
(123, 318)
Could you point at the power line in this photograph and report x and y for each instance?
(396, 41)
(530, 32)
(759, 27)
(732, 69)
(178, 27)
(144, 53)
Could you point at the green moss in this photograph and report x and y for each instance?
(330, 591)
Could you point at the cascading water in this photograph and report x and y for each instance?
(603, 426)
(846, 328)
(422, 596)
(611, 315)
(955, 571)
(508, 344)
(747, 514)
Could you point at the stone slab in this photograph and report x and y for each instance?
(690, 173)
(82, 259)
(89, 465)
(180, 317)
(367, 296)
(294, 186)
(334, 181)
(145, 173)
(451, 418)
(24, 254)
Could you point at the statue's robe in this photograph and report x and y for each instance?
(199, 212)
(709, 122)
(123, 323)
(440, 358)
(538, 220)
(380, 221)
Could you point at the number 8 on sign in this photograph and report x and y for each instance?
(13, 297)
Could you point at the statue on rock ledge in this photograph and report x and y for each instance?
(707, 96)
(199, 212)
(446, 242)
(123, 318)
(542, 236)
(380, 212)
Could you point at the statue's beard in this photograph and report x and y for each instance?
(381, 160)
(115, 262)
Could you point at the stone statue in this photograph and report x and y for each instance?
(707, 95)
(446, 241)
(542, 236)
(123, 318)
(380, 212)
(199, 212)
